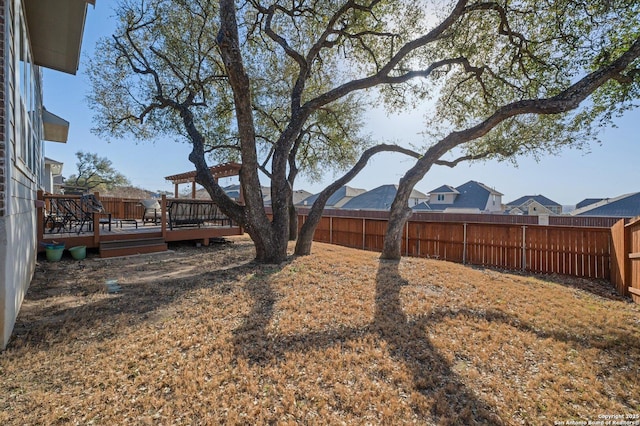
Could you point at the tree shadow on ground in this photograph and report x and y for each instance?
(74, 311)
(407, 341)
(406, 338)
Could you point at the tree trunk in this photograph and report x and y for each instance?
(270, 237)
(269, 248)
(305, 238)
(293, 223)
(392, 248)
(400, 210)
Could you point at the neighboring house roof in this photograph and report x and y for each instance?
(55, 166)
(202, 194)
(482, 185)
(423, 206)
(299, 195)
(534, 205)
(48, 160)
(379, 198)
(444, 189)
(514, 211)
(233, 191)
(587, 202)
(627, 205)
(338, 199)
(471, 195)
(541, 199)
(535, 208)
(266, 195)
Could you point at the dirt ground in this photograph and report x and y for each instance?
(203, 335)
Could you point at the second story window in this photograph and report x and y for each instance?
(27, 104)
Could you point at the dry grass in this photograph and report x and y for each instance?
(205, 336)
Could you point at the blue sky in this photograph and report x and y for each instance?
(608, 170)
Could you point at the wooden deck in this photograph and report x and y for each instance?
(130, 236)
(126, 240)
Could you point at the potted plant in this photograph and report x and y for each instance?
(53, 251)
(78, 252)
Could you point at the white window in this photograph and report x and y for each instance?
(27, 105)
(440, 197)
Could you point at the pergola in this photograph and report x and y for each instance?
(218, 171)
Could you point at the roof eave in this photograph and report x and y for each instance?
(56, 129)
(55, 30)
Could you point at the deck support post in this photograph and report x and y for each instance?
(96, 222)
(163, 215)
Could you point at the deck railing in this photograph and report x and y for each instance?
(70, 217)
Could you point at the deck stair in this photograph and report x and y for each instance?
(128, 247)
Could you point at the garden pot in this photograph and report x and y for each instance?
(78, 252)
(54, 253)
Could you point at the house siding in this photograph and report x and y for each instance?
(18, 230)
(494, 203)
(6, 324)
(448, 199)
(3, 143)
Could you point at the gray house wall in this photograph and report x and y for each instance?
(17, 191)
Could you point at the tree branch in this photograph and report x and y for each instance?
(384, 76)
(459, 160)
(566, 100)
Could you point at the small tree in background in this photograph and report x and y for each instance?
(94, 173)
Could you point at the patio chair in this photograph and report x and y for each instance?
(54, 220)
(90, 205)
(195, 213)
(69, 215)
(152, 211)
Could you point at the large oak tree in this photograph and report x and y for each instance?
(281, 85)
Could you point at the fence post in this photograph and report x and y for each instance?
(524, 248)
(330, 229)
(464, 243)
(406, 243)
(628, 273)
(364, 235)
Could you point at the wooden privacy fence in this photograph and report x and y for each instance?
(625, 258)
(430, 216)
(123, 208)
(580, 252)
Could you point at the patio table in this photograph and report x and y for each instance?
(119, 222)
(106, 221)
